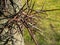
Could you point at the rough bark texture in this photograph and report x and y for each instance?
(18, 36)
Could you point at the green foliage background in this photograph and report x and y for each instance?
(49, 24)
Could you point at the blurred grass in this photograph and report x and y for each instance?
(52, 18)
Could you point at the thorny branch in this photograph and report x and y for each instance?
(23, 17)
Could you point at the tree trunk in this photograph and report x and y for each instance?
(18, 36)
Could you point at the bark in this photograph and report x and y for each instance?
(18, 36)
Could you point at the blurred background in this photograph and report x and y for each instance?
(49, 24)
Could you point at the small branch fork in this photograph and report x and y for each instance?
(23, 17)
